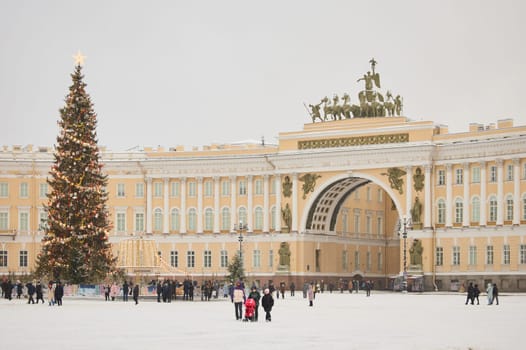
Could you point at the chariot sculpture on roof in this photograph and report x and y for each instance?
(371, 102)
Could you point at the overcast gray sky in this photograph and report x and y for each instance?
(201, 72)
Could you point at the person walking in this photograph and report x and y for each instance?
(40, 293)
(136, 294)
(238, 298)
(267, 302)
(470, 296)
(292, 289)
(310, 294)
(51, 292)
(30, 292)
(125, 291)
(107, 292)
(489, 291)
(114, 292)
(59, 293)
(495, 294)
(19, 289)
(254, 294)
(476, 293)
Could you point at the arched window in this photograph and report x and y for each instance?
(258, 222)
(441, 211)
(493, 208)
(174, 220)
(242, 215)
(192, 219)
(225, 220)
(509, 208)
(475, 209)
(459, 210)
(157, 219)
(209, 219)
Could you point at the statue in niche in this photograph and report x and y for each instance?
(287, 187)
(309, 182)
(284, 255)
(287, 216)
(415, 253)
(416, 211)
(395, 179)
(418, 179)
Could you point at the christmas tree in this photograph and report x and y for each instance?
(75, 246)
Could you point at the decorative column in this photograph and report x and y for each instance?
(427, 200)
(217, 209)
(465, 204)
(449, 195)
(483, 199)
(182, 228)
(500, 192)
(277, 182)
(233, 211)
(408, 190)
(200, 204)
(265, 204)
(149, 195)
(516, 191)
(250, 201)
(166, 209)
(294, 208)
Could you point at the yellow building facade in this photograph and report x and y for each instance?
(328, 202)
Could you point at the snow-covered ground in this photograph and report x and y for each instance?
(336, 321)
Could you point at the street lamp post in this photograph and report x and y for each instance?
(405, 224)
(241, 227)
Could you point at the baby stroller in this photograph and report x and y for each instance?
(250, 308)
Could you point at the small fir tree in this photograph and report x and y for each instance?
(75, 246)
(236, 270)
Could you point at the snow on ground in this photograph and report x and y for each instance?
(336, 321)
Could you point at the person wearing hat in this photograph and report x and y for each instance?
(254, 294)
(267, 302)
(238, 298)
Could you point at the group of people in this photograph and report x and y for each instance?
(251, 303)
(492, 292)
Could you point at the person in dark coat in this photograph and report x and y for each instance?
(495, 294)
(476, 293)
(59, 293)
(470, 296)
(40, 293)
(292, 289)
(254, 294)
(159, 291)
(125, 291)
(30, 292)
(8, 289)
(19, 289)
(267, 302)
(136, 294)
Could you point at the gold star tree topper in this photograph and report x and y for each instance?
(79, 58)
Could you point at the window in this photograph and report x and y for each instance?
(224, 258)
(368, 193)
(42, 215)
(225, 188)
(270, 258)
(368, 261)
(380, 195)
(157, 189)
(4, 189)
(258, 218)
(174, 258)
(441, 177)
(207, 259)
(441, 211)
(456, 255)
(493, 208)
(4, 223)
(459, 179)
(475, 209)
(259, 187)
(23, 258)
(23, 221)
(192, 219)
(209, 189)
(157, 219)
(225, 219)
(493, 174)
(459, 210)
(506, 253)
(175, 188)
(209, 219)
(489, 255)
(524, 171)
(24, 190)
(174, 220)
(139, 222)
(475, 175)
(380, 262)
(256, 258)
(3, 258)
(120, 190)
(524, 208)
(243, 215)
(356, 223)
(509, 208)
(379, 226)
(42, 190)
(472, 255)
(368, 224)
(121, 222)
(242, 188)
(522, 254)
(509, 172)
(356, 260)
(274, 216)
(192, 191)
(190, 259)
(139, 190)
(345, 261)
(439, 256)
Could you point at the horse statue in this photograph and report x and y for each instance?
(336, 108)
(398, 104)
(389, 104)
(346, 106)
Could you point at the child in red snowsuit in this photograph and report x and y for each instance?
(250, 307)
